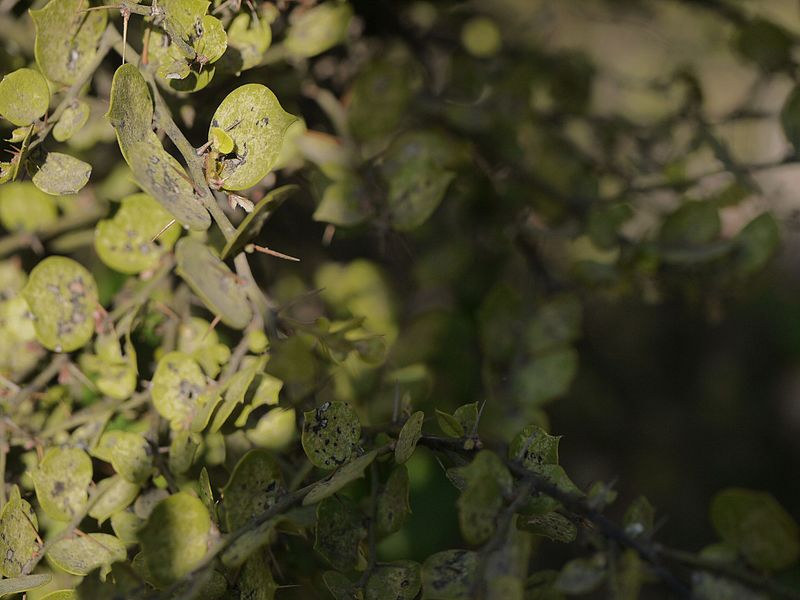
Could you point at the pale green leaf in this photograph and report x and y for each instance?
(19, 544)
(82, 554)
(114, 494)
(62, 481)
(318, 29)
(24, 96)
(177, 389)
(71, 120)
(61, 174)
(23, 207)
(16, 585)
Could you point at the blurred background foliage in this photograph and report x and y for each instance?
(568, 211)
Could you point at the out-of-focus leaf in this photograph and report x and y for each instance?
(340, 528)
(81, 555)
(253, 487)
(16, 585)
(23, 207)
(251, 225)
(449, 575)
(19, 542)
(318, 29)
(71, 120)
(62, 481)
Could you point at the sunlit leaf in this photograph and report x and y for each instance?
(330, 434)
(175, 538)
(16, 585)
(126, 242)
(24, 96)
(129, 453)
(82, 554)
(197, 339)
(19, 540)
(61, 482)
(318, 29)
(71, 120)
(61, 174)
(62, 295)
(114, 494)
(66, 39)
(249, 38)
(24, 207)
(252, 116)
(214, 282)
(275, 430)
(177, 389)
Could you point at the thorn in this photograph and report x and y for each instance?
(163, 229)
(265, 250)
(327, 236)
(211, 327)
(126, 15)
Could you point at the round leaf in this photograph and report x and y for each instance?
(220, 141)
(213, 281)
(24, 207)
(400, 580)
(249, 38)
(175, 538)
(253, 488)
(534, 447)
(71, 120)
(62, 295)
(329, 434)
(125, 242)
(759, 527)
(449, 574)
(392, 503)
(66, 38)
(177, 389)
(24, 96)
(83, 554)
(340, 529)
(61, 174)
(114, 494)
(62, 481)
(252, 116)
(318, 29)
(19, 540)
(130, 454)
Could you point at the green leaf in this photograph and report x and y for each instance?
(627, 575)
(486, 483)
(344, 475)
(546, 377)
(449, 575)
(197, 339)
(706, 586)
(410, 434)
(533, 447)
(24, 96)
(247, 544)
(61, 174)
(126, 526)
(256, 581)
(693, 224)
(340, 587)
(251, 225)
(182, 19)
(392, 505)
(318, 29)
(61, 482)
(235, 391)
(581, 575)
(451, 426)
(248, 39)
(252, 116)
(344, 203)
(754, 523)
(551, 525)
(129, 453)
(177, 389)
(756, 244)
(212, 280)
(83, 554)
(330, 433)
(66, 39)
(130, 109)
(23, 207)
(19, 544)
(467, 416)
(113, 495)
(125, 242)
(253, 487)
(414, 193)
(556, 323)
(175, 538)
(26, 583)
(220, 141)
(790, 119)
(212, 42)
(275, 430)
(639, 519)
(341, 527)
(399, 580)
(71, 120)
(163, 178)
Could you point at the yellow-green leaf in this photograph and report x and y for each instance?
(61, 174)
(24, 96)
